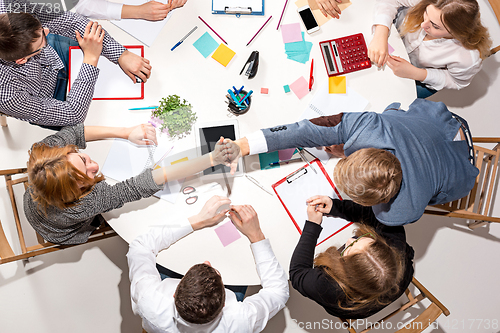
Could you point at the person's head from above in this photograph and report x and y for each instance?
(369, 176)
(60, 176)
(367, 270)
(200, 295)
(458, 19)
(21, 37)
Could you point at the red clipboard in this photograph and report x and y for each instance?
(140, 91)
(294, 189)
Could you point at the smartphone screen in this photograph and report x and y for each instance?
(308, 18)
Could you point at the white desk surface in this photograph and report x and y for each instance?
(204, 82)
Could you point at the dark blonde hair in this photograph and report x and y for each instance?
(53, 180)
(367, 278)
(460, 17)
(369, 176)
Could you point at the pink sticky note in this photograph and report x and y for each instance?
(286, 154)
(300, 87)
(291, 33)
(227, 233)
(391, 49)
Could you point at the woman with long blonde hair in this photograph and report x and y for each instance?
(445, 40)
(67, 193)
(357, 280)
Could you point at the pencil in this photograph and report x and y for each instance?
(162, 158)
(286, 1)
(202, 20)
(259, 30)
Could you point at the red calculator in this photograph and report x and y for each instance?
(345, 55)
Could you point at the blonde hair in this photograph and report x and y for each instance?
(53, 180)
(460, 17)
(369, 176)
(367, 278)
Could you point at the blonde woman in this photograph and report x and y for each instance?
(67, 194)
(445, 41)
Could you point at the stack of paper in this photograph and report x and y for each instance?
(298, 51)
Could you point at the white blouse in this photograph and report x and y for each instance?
(448, 63)
(99, 9)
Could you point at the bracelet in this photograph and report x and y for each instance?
(211, 159)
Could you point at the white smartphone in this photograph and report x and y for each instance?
(308, 19)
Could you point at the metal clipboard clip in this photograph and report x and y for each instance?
(238, 10)
(296, 175)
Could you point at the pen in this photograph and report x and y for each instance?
(285, 161)
(311, 77)
(286, 1)
(301, 153)
(162, 158)
(145, 108)
(183, 38)
(257, 183)
(259, 30)
(246, 96)
(202, 20)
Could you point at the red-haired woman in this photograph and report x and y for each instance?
(370, 271)
(445, 41)
(67, 194)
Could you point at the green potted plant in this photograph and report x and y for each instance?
(174, 117)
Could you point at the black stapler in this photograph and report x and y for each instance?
(253, 65)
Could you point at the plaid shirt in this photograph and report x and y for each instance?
(26, 90)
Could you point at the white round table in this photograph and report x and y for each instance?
(204, 82)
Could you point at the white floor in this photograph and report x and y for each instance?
(86, 289)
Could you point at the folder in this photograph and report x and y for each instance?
(112, 82)
(296, 188)
(238, 7)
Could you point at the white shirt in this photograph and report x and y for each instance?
(153, 300)
(99, 9)
(448, 63)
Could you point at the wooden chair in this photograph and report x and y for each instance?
(477, 204)
(19, 176)
(495, 5)
(3, 119)
(420, 323)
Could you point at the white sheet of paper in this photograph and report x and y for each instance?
(220, 5)
(294, 196)
(325, 104)
(142, 30)
(112, 81)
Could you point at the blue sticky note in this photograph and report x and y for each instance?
(287, 88)
(267, 158)
(206, 44)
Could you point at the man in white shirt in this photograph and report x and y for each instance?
(199, 302)
(150, 10)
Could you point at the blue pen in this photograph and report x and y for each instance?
(145, 108)
(233, 97)
(235, 90)
(247, 95)
(180, 42)
(240, 89)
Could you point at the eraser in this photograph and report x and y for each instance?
(264, 90)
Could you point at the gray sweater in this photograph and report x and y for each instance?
(74, 225)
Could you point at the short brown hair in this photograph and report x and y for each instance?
(17, 33)
(367, 278)
(53, 180)
(369, 176)
(460, 17)
(200, 296)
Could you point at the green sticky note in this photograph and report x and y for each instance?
(287, 88)
(267, 158)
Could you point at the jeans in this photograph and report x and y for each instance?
(61, 45)
(423, 91)
(167, 273)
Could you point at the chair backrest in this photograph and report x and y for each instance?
(477, 204)
(495, 5)
(16, 177)
(418, 324)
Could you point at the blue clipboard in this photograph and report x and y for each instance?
(227, 7)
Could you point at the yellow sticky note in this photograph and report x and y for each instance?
(223, 54)
(179, 161)
(337, 85)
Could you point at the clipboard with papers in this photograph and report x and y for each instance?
(238, 7)
(297, 187)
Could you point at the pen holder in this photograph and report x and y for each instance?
(243, 107)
